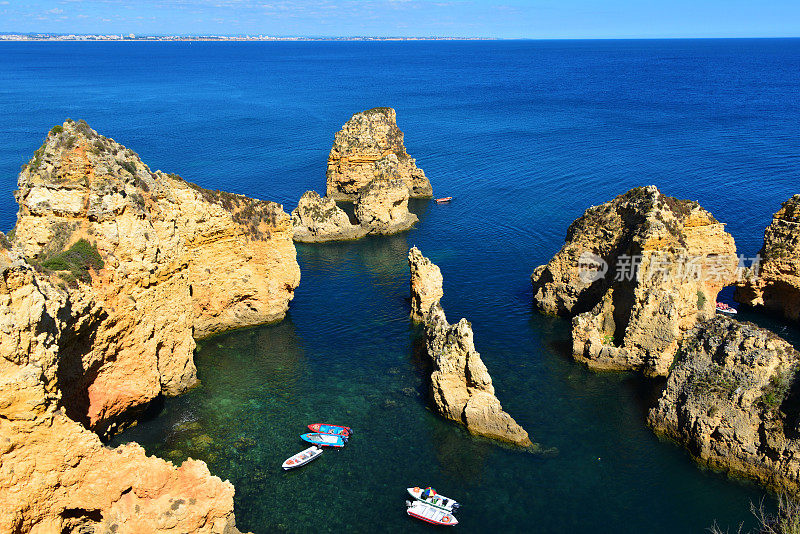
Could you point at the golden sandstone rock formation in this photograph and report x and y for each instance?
(461, 387)
(732, 400)
(317, 219)
(382, 207)
(776, 284)
(426, 284)
(368, 164)
(666, 260)
(111, 273)
(732, 395)
(370, 145)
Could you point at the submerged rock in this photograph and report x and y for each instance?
(636, 273)
(426, 284)
(370, 145)
(733, 399)
(461, 387)
(776, 285)
(382, 207)
(317, 219)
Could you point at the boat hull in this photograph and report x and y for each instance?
(431, 514)
(437, 501)
(324, 440)
(336, 430)
(302, 458)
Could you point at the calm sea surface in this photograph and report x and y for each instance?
(526, 136)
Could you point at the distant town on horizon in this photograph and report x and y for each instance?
(143, 37)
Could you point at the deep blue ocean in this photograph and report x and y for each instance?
(526, 135)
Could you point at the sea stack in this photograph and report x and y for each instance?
(461, 387)
(426, 284)
(635, 274)
(368, 146)
(318, 219)
(776, 283)
(731, 399)
(382, 207)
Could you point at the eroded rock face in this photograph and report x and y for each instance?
(370, 145)
(382, 207)
(318, 219)
(426, 284)
(733, 400)
(180, 262)
(57, 476)
(776, 285)
(635, 320)
(461, 387)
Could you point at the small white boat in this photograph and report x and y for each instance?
(726, 309)
(434, 499)
(430, 514)
(302, 458)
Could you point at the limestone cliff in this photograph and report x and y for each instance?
(461, 387)
(382, 207)
(57, 476)
(111, 272)
(370, 145)
(776, 285)
(178, 262)
(634, 319)
(733, 400)
(426, 284)
(318, 219)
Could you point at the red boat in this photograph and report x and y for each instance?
(443, 200)
(335, 430)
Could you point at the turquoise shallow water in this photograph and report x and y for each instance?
(525, 135)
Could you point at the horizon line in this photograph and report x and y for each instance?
(41, 36)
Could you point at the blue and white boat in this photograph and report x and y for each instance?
(325, 440)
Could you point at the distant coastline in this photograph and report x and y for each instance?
(134, 37)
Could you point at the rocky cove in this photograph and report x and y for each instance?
(290, 353)
(103, 246)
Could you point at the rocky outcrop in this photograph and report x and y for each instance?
(733, 400)
(370, 145)
(57, 476)
(461, 387)
(382, 207)
(110, 274)
(318, 219)
(776, 283)
(178, 262)
(426, 284)
(637, 273)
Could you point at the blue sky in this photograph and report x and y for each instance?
(504, 18)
